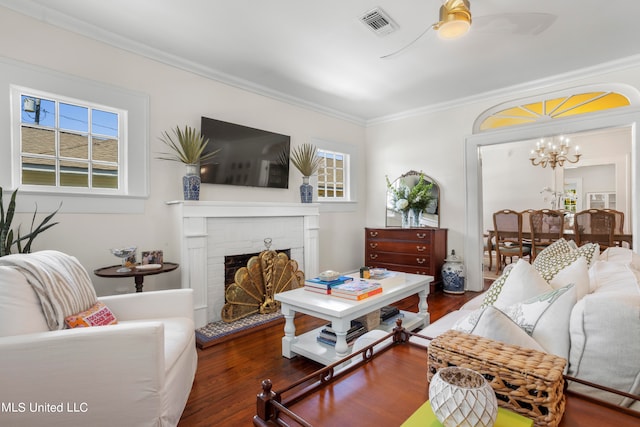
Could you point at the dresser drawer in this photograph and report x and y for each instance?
(417, 260)
(400, 234)
(399, 247)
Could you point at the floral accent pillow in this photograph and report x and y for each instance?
(546, 318)
(490, 322)
(98, 315)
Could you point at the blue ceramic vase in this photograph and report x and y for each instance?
(306, 191)
(191, 183)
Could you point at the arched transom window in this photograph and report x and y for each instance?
(580, 100)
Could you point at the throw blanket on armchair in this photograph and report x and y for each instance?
(62, 284)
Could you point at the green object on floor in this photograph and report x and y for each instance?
(424, 417)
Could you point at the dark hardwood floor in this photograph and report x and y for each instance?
(229, 374)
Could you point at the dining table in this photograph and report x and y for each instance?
(568, 234)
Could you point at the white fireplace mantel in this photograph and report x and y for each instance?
(207, 231)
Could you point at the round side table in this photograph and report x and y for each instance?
(136, 273)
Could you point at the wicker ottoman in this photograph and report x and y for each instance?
(525, 381)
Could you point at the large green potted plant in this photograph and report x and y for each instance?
(305, 158)
(9, 238)
(187, 146)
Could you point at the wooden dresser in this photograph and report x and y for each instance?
(412, 250)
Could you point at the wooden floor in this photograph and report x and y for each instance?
(229, 374)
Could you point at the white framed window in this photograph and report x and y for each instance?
(333, 176)
(68, 145)
(79, 175)
(334, 185)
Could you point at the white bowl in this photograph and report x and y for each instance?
(329, 275)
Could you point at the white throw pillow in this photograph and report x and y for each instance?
(20, 308)
(523, 282)
(577, 273)
(546, 318)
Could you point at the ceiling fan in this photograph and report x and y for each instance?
(455, 21)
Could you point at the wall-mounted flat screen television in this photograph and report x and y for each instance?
(247, 156)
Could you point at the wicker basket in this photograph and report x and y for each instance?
(525, 381)
(371, 320)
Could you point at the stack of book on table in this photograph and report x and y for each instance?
(328, 336)
(324, 286)
(357, 289)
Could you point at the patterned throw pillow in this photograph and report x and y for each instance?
(552, 263)
(494, 290)
(98, 315)
(559, 247)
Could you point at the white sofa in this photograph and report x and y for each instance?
(595, 325)
(138, 372)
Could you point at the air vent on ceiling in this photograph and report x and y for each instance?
(378, 22)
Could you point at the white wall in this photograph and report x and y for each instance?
(176, 97)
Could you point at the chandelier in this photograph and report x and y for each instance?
(552, 154)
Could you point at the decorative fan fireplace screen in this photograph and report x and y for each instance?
(256, 284)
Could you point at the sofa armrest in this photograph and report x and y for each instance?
(113, 373)
(151, 305)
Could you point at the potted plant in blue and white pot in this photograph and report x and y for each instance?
(305, 158)
(188, 147)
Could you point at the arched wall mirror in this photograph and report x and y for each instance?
(519, 139)
(430, 217)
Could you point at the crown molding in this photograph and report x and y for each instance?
(52, 17)
(60, 20)
(511, 91)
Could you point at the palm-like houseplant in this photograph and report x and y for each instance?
(187, 146)
(305, 158)
(7, 240)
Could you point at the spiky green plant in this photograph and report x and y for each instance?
(187, 145)
(7, 240)
(305, 158)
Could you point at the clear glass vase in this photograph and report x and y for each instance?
(415, 217)
(405, 219)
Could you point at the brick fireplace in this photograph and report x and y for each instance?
(209, 231)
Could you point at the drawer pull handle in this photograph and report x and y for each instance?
(373, 233)
(373, 256)
(421, 235)
(373, 245)
(421, 260)
(421, 248)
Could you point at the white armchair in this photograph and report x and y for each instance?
(136, 373)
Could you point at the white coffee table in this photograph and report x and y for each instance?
(340, 312)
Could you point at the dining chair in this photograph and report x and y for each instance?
(594, 226)
(507, 226)
(547, 226)
(488, 247)
(619, 227)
